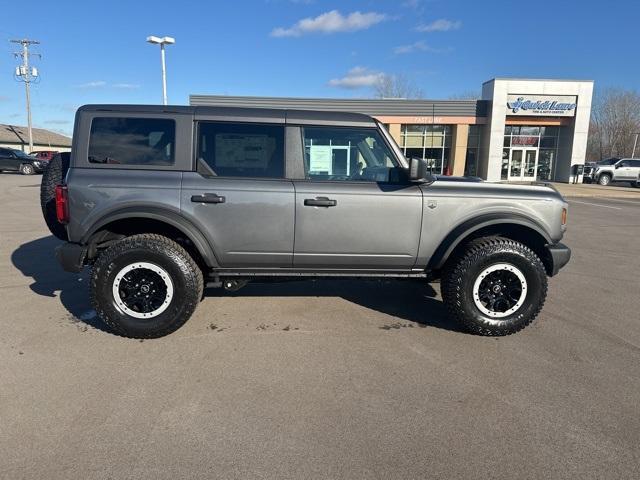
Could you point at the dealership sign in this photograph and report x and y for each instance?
(557, 106)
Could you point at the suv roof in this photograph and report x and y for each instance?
(271, 115)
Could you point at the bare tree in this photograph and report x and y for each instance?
(467, 95)
(615, 119)
(396, 86)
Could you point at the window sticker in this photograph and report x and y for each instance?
(320, 159)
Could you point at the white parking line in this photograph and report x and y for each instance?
(595, 204)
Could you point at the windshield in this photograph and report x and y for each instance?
(21, 154)
(608, 161)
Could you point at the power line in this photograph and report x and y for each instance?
(27, 74)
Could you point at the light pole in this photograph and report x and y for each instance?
(162, 42)
(635, 142)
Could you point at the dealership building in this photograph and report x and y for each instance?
(520, 130)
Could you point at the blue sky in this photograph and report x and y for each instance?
(95, 51)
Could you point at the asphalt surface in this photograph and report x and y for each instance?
(322, 379)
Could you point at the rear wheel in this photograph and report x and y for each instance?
(27, 169)
(604, 179)
(145, 286)
(497, 286)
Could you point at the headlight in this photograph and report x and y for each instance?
(36, 163)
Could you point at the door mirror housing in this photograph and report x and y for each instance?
(419, 171)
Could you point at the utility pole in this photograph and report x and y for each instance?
(27, 74)
(635, 143)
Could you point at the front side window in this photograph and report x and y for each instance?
(21, 154)
(132, 141)
(348, 154)
(242, 149)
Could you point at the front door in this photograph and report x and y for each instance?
(624, 170)
(7, 160)
(351, 211)
(239, 197)
(523, 164)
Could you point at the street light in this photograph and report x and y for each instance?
(635, 143)
(162, 42)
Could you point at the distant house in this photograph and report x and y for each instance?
(13, 136)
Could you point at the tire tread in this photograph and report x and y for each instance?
(165, 246)
(474, 252)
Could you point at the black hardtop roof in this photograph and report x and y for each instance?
(277, 115)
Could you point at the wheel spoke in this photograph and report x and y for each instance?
(499, 290)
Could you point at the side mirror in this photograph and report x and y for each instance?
(618, 165)
(419, 171)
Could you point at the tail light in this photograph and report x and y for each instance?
(564, 216)
(62, 204)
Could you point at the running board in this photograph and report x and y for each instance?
(217, 273)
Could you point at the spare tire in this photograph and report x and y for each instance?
(53, 175)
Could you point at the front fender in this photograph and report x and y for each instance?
(468, 227)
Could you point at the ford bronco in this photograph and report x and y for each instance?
(162, 202)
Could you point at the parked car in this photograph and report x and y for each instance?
(162, 202)
(17, 161)
(617, 170)
(45, 155)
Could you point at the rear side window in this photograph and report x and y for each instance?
(242, 149)
(132, 141)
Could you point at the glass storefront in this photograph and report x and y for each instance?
(529, 152)
(473, 151)
(430, 142)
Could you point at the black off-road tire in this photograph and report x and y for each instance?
(461, 272)
(53, 175)
(185, 275)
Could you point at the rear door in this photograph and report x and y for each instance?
(239, 197)
(353, 209)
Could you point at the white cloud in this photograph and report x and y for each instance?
(419, 46)
(358, 77)
(126, 86)
(93, 84)
(440, 25)
(331, 22)
(103, 84)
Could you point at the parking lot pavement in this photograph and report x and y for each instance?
(593, 190)
(322, 379)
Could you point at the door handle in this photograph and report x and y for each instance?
(208, 198)
(320, 202)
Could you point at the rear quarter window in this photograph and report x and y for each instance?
(132, 141)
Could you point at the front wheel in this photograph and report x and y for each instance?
(27, 169)
(497, 286)
(604, 179)
(145, 286)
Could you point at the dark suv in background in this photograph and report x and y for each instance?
(17, 161)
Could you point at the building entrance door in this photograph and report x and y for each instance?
(523, 164)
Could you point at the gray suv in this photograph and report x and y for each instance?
(617, 170)
(162, 202)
